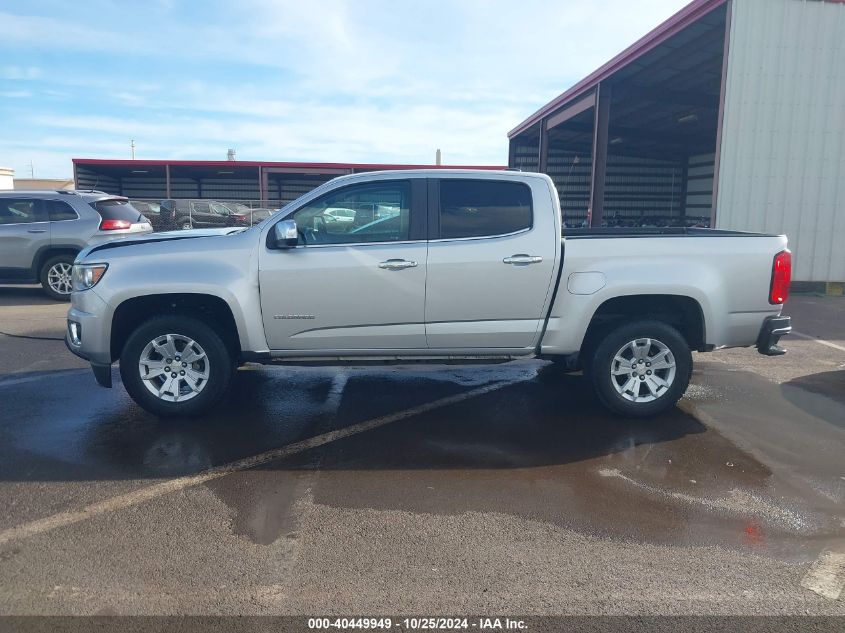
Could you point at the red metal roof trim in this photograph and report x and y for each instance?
(258, 163)
(683, 18)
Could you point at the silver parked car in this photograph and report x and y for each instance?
(41, 233)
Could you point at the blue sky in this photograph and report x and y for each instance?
(330, 80)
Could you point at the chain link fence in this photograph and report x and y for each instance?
(201, 213)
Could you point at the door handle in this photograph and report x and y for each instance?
(36, 230)
(397, 264)
(522, 260)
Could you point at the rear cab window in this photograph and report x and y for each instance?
(483, 208)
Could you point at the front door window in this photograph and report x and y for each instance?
(358, 214)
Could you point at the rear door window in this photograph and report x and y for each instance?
(59, 210)
(116, 209)
(483, 208)
(21, 211)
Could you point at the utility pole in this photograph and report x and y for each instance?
(31, 169)
(132, 147)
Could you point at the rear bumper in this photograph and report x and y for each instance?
(138, 230)
(773, 328)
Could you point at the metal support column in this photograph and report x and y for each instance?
(167, 181)
(721, 120)
(262, 186)
(601, 126)
(543, 148)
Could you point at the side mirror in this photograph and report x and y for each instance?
(286, 234)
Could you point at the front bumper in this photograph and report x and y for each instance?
(102, 373)
(773, 328)
(87, 335)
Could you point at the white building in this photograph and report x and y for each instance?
(7, 178)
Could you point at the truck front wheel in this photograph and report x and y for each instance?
(641, 369)
(175, 366)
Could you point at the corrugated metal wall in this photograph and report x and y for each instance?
(638, 191)
(699, 199)
(87, 179)
(782, 164)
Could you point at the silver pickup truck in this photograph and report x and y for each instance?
(428, 265)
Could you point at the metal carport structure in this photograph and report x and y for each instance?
(729, 114)
(255, 183)
(624, 144)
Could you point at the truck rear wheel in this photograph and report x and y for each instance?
(641, 369)
(175, 366)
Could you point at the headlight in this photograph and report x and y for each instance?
(87, 275)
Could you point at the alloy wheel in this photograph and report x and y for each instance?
(643, 370)
(59, 277)
(174, 368)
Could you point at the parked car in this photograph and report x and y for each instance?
(339, 215)
(41, 233)
(150, 210)
(253, 215)
(479, 270)
(190, 214)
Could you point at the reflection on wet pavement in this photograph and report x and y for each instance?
(539, 449)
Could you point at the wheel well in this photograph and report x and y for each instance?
(213, 311)
(42, 257)
(682, 313)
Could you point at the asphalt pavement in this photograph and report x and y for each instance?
(424, 490)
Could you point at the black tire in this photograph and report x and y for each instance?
(187, 225)
(220, 365)
(43, 275)
(602, 358)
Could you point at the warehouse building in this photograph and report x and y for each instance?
(257, 184)
(730, 114)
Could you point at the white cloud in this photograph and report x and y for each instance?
(20, 72)
(368, 80)
(331, 132)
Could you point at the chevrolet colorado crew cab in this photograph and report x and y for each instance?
(431, 265)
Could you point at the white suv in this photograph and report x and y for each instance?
(41, 233)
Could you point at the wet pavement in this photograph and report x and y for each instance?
(514, 491)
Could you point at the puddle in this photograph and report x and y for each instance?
(540, 449)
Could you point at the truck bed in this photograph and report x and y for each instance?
(657, 231)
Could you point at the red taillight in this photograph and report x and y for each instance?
(113, 225)
(781, 276)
